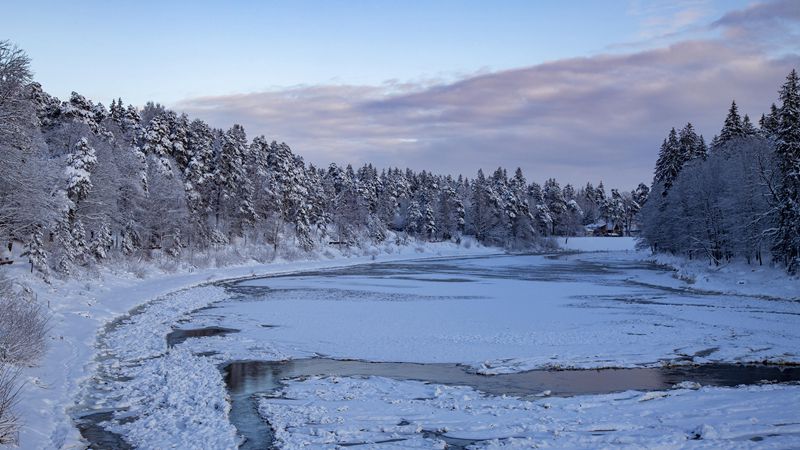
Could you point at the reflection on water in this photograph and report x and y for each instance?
(246, 378)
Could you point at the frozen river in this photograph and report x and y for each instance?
(432, 352)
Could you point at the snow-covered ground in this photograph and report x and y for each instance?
(81, 308)
(323, 412)
(506, 314)
(603, 307)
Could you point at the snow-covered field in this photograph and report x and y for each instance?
(495, 313)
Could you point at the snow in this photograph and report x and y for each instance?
(598, 244)
(507, 314)
(82, 308)
(603, 307)
(735, 277)
(325, 412)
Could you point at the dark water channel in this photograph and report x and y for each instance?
(246, 379)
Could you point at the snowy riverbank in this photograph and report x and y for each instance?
(733, 277)
(81, 308)
(173, 379)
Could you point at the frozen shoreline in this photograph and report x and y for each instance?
(81, 309)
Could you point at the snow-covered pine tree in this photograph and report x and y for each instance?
(179, 138)
(117, 112)
(199, 170)
(733, 128)
(131, 241)
(132, 120)
(414, 218)
(37, 255)
(787, 149)
(554, 199)
(64, 246)
(429, 222)
(155, 141)
(79, 248)
(748, 128)
(640, 194)
(79, 109)
(484, 213)
(541, 214)
(691, 145)
(102, 242)
(235, 191)
(769, 123)
(521, 223)
(701, 151)
(670, 161)
(80, 164)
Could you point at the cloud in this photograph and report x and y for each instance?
(665, 19)
(580, 119)
(768, 24)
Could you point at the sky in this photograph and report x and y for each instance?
(580, 91)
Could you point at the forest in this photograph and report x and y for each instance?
(738, 198)
(84, 182)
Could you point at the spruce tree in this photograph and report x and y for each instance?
(671, 159)
(787, 150)
(78, 234)
(80, 164)
(733, 128)
(102, 242)
(36, 252)
(748, 128)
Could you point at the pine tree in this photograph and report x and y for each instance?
(117, 112)
(64, 247)
(235, 192)
(733, 128)
(156, 142)
(414, 218)
(701, 151)
(671, 159)
(102, 242)
(554, 199)
(80, 164)
(429, 222)
(769, 123)
(130, 239)
(747, 127)
(787, 150)
(691, 145)
(541, 215)
(78, 234)
(179, 138)
(640, 194)
(36, 252)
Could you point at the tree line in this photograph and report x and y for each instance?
(82, 182)
(739, 197)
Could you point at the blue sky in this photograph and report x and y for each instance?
(581, 91)
(171, 50)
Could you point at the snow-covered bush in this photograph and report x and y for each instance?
(23, 326)
(9, 388)
(23, 329)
